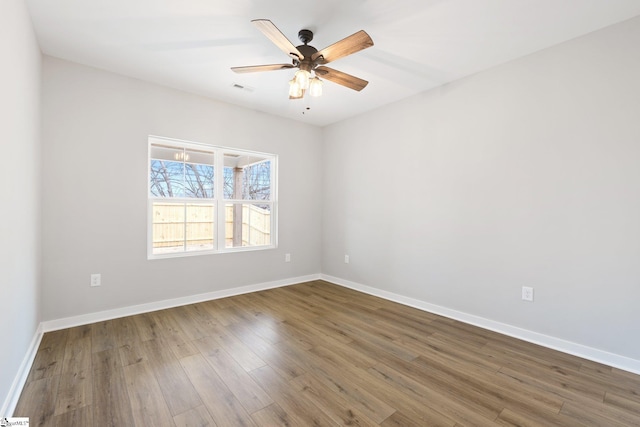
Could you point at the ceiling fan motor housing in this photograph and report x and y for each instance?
(307, 63)
(307, 51)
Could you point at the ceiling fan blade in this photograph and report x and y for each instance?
(352, 44)
(275, 35)
(257, 68)
(344, 79)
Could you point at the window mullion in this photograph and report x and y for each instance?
(220, 220)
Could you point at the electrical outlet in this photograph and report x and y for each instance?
(346, 259)
(287, 257)
(527, 293)
(95, 279)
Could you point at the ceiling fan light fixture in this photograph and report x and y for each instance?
(315, 87)
(295, 90)
(302, 77)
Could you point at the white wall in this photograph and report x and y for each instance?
(526, 174)
(19, 190)
(95, 128)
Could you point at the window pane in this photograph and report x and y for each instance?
(166, 152)
(168, 227)
(228, 183)
(247, 224)
(181, 172)
(247, 177)
(199, 227)
(201, 157)
(256, 183)
(198, 181)
(166, 178)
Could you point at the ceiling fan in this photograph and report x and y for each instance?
(309, 59)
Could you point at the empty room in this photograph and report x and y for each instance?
(278, 213)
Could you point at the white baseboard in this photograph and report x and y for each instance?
(596, 355)
(84, 319)
(9, 405)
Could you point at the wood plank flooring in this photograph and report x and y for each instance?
(313, 354)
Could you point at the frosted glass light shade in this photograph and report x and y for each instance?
(295, 91)
(302, 78)
(315, 87)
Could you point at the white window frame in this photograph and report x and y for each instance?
(219, 238)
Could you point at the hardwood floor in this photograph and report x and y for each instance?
(313, 354)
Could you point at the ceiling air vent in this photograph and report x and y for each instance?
(241, 87)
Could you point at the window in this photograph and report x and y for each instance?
(208, 199)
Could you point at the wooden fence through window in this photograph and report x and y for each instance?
(169, 226)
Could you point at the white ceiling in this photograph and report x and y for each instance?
(419, 44)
